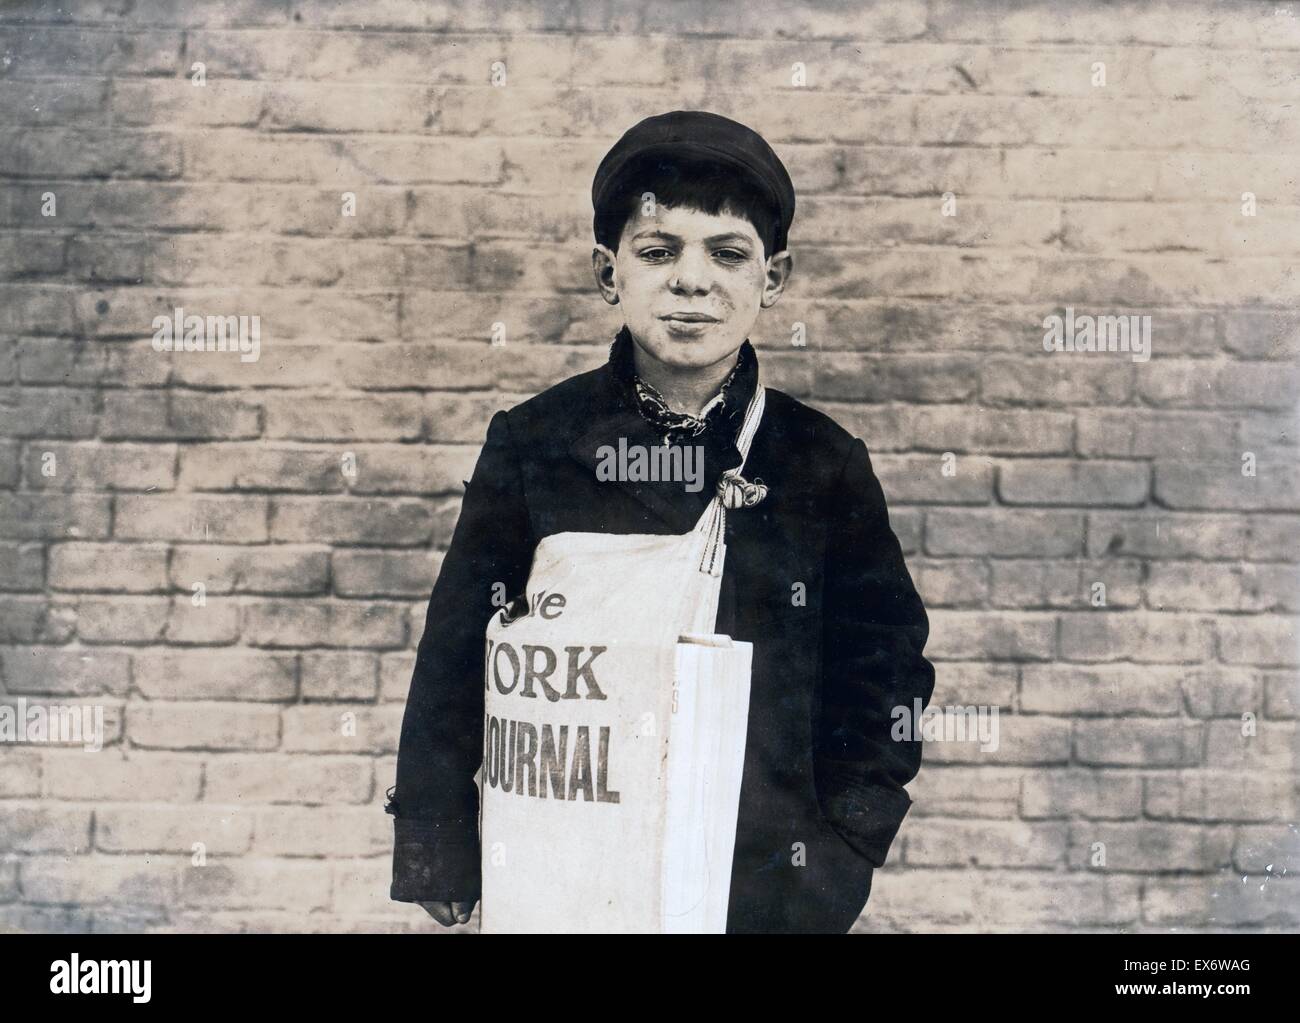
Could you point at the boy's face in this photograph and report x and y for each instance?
(690, 283)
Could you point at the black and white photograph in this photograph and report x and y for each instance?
(550, 467)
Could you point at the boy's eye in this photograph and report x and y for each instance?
(658, 252)
(732, 255)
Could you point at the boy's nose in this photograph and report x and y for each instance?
(690, 276)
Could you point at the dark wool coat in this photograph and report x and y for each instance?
(822, 793)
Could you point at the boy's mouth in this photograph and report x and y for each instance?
(688, 324)
(689, 318)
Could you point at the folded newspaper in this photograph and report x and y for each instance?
(612, 808)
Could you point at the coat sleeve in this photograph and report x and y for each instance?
(435, 801)
(875, 631)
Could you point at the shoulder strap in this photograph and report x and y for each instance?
(753, 415)
(713, 522)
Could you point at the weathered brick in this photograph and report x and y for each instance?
(1106, 689)
(1141, 433)
(1263, 640)
(219, 831)
(1043, 534)
(22, 567)
(1263, 334)
(1222, 901)
(939, 843)
(47, 102)
(974, 683)
(89, 152)
(1213, 384)
(140, 881)
(393, 522)
(203, 726)
(131, 568)
(277, 568)
(1216, 795)
(21, 777)
(422, 470)
(1209, 586)
(1264, 848)
(220, 103)
(192, 518)
(328, 831)
(128, 619)
(951, 582)
(343, 623)
(25, 918)
(1059, 379)
(915, 378)
(259, 466)
(1281, 690)
(971, 635)
(1215, 690)
(343, 729)
(64, 671)
(396, 669)
(46, 412)
(140, 776)
(1081, 792)
(1266, 746)
(215, 675)
(1146, 637)
(101, 466)
(1074, 484)
(50, 50)
(385, 573)
(396, 418)
(36, 619)
(1149, 848)
(460, 418)
(256, 883)
(1272, 538)
(1222, 485)
(922, 480)
(264, 778)
(1027, 584)
(1165, 534)
(980, 792)
(10, 466)
(1137, 742)
(54, 516)
(345, 675)
(35, 828)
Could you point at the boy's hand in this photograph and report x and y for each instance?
(449, 913)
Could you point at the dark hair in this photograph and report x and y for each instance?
(679, 183)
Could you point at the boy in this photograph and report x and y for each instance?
(692, 212)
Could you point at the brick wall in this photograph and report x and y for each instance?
(128, 476)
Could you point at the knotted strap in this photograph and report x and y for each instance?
(733, 491)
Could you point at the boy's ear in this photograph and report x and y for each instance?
(779, 269)
(602, 265)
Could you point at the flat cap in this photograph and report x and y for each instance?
(701, 135)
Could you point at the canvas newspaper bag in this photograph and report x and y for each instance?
(614, 735)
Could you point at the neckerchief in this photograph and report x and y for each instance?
(719, 421)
